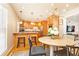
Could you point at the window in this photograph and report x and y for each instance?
(3, 29)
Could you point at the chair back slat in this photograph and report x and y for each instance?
(72, 51)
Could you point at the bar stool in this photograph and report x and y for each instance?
(21, 40)
(34, 39)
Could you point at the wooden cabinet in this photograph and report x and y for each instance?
(53, 20)
(45, 30)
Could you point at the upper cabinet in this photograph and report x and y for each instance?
(53, 20)
(44, 25)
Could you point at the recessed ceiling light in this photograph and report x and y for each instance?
(52, 4)
(64, 10)
(22, 8)
(67, 5)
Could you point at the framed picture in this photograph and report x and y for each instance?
(70, 29)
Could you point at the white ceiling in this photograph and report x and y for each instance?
(40, 11)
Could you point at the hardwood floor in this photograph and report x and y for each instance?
(21, 53)
(26, 53)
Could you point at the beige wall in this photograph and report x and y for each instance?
(11, 25)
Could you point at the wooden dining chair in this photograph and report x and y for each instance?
(60, 51)
(72, 50)
(70, 37)
(35, 50)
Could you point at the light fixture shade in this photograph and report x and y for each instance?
(32, 23)
(39, 24)
(67, 5)
(20, 22)
(50, 31)
(55, 29)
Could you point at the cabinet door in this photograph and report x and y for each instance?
(50, 21)
(44, 23)
(53, 20)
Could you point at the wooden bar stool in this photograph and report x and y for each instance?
(21, 40)
(34, 39)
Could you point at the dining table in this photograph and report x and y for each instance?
(52, 42)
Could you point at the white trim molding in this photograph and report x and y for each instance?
(71, 13)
